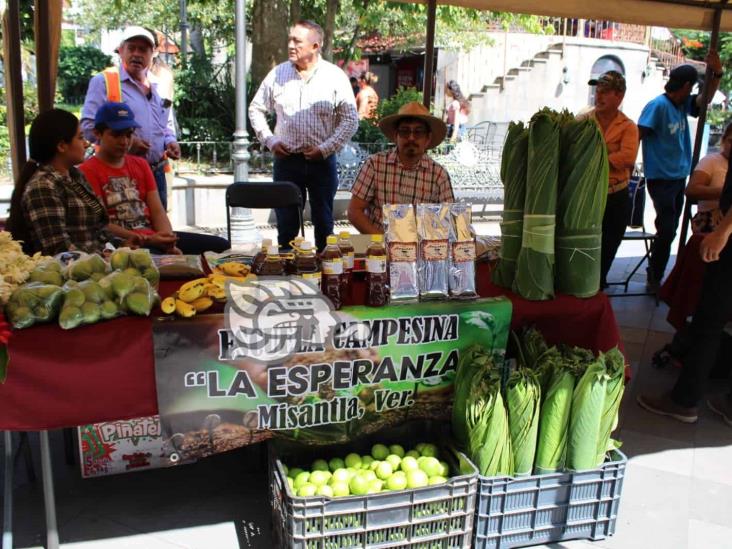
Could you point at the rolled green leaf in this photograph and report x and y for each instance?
(583, 180)
(513, 176)
(554, 421)
(474, 363)
(615, 364)
(533, 346)
(535, 265)
(588, 406)
(523, 399)
(489, 440)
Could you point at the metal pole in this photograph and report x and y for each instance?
(8, 492)
(242, 221)
(48, 497)
(183, 33)
(701, 122)
(429, 54)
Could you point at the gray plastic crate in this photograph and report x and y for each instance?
(434, 517)
(518, 512)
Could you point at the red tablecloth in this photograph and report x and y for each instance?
(106, 371)
(682, 288)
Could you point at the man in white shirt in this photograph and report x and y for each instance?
(316, 115)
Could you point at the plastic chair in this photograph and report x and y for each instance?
(263, 195)
(636, 231)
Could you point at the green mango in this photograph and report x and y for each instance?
(141, 285)
(109, 310)
(47, 277)
(81, 270)
(96, 277)
(26, 296)
(131, 271)
(120, 260)
(122, 284)
(74, 298)
(141, 259)
(98, 265)
(43, 312)
(22, 317)
(52, 266)
(93, 292)
(152, 275)
(70, 317)
(49, 292)
(138, 303)
(91, 312)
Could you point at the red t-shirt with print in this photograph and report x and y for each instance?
(123, 190)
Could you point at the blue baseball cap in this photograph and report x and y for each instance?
(116, 116)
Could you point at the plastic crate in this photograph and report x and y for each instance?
(438, 517)
(518, 512)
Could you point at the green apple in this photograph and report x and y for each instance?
(445, 469)
(352, 472)
(374, 464)
(368, 475)
(324, 490)
(384, 470)
(419, 447)
(417, 479)
(436, 480)
(340, 489)
(397, 450)
(394, 460)
(319, 477)
(294, 472)
(286, 469)
(307, 490)
(431, 466)
(409, 464)
(340, 475)
(353, 460)
(301, 479)
(376, 486)
(320, 465)
(379, 451)
(359, 485)
(397, 481)
(291, 484)
(336, 463)
(366, 462)
(429, 450)
(413, 453)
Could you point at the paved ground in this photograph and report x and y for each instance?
(677, 494)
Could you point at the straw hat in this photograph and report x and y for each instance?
(389, 124)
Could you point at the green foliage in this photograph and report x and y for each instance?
(76, 65)
(695, 45)
(368, 130)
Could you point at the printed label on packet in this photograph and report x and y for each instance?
(463, 251)
(376, 264)
(348, 260)
(434, 250)
(403, 252)
(311, 276)
(333, 267)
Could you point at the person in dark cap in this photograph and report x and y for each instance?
(664, 132)
(621, 138)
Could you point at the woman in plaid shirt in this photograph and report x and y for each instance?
(53, 209)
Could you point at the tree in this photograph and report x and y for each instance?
(269, 40)
(76, 66)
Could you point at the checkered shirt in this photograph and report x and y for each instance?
(63, 213)
(319, 111)
(383, 180)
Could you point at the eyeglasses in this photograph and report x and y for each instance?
(416, 132)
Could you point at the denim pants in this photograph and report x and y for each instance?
(614, 222)
(704, 333)
(318, 182)
(162, 185)
(668, 200)
(196, 244)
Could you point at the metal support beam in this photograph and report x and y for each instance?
(701, 122)
(429, 54)
(242, 220)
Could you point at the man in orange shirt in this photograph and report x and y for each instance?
(621, 138)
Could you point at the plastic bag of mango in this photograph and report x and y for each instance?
(198, 295)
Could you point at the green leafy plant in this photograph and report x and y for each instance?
(368, 130)
(76, 65)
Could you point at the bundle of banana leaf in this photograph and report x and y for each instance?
(588, 406)
(474, 364)
(523, 399)
(583, 179)
(513, 176)
(615, 365)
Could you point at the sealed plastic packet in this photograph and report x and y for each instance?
(33, 303)
(401, 237)
(133, 294)
(84, 303)
(87, 266)
(462, 242)
(48, 271)
(433, 228)
(137, 262)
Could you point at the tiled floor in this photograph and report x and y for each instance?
(677, 494)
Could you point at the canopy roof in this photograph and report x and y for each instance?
(677, 14)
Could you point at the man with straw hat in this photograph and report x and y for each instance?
(402, 175)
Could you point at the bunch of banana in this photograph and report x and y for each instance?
(198, 295)
(232, 268)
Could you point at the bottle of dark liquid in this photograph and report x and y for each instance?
(376, 276)
(306, 264)
(332, 265)
(273, 264)
(261, 254)
(346, 247)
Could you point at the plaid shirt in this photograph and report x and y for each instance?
(319, 111)
(383, 180)
(63, 213)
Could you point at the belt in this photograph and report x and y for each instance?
(159, 164)
(617, 187)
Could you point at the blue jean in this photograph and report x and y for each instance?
(162, 185)
(668, 200)
(196, 244)
(318, 182)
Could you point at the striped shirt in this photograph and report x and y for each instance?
(383, 180)
(319, 111)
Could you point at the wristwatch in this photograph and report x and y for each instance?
(719, 74)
